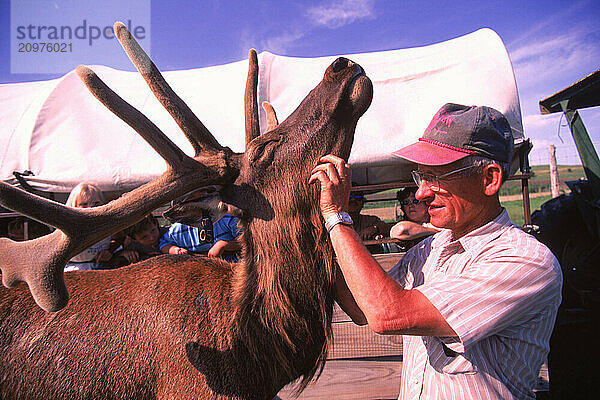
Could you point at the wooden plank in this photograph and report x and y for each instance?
(364, 379)
(353, 341)
(369, 379)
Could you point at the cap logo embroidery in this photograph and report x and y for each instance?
(441, 117)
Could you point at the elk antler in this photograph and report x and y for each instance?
(40, 262)
(198, 135)
(250, 103)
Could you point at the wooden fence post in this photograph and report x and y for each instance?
(553, 171)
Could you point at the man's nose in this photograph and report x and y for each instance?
(423, 192)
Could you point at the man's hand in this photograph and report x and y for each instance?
(335, 177)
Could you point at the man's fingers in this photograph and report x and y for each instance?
(342, 168)
(330, 158)
(329, 170)
(318, 176)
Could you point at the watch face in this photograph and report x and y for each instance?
(345, 217)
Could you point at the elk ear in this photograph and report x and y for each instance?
(271, 116)
(262, 149)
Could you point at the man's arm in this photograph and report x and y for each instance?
(386, 305)
(346, 301)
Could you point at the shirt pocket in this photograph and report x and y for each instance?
(449, 362)
(458, 365)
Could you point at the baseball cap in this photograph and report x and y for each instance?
(458, 131)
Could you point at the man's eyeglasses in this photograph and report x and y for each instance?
(406, 202)
(433, 181)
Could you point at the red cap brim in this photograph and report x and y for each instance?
(429, 154)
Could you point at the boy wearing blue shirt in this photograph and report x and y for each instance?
(185, 239)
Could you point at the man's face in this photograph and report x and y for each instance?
(458, 204)
(148, 237)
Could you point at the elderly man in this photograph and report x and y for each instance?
(476, 301)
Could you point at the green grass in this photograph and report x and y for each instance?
(515, 208)
(540, 179)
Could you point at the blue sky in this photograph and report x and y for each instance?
(551, 43)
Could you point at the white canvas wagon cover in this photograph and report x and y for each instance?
(61, 133)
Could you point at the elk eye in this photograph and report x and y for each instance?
(339, 64)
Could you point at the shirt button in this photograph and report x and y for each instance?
(416, 381)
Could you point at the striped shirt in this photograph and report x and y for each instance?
(499, 289)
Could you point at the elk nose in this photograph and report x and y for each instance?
(339, 64)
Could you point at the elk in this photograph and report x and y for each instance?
(185, 327)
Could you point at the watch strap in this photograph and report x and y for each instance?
(341, 217)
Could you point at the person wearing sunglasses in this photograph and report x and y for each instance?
(477, 301)
(415, 226)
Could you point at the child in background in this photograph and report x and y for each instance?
(144, 240)
(206, 228)
(184, 239)
(416, 225)
(86, 195)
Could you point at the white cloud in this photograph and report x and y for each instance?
(338, 13)
(573, 53)
(279, 44)
(333, 14)
(550, 55)
(546, 60)
(540, 121)
(544, 130)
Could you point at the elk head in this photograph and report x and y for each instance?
(323, 123)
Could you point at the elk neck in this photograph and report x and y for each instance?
(283, 288)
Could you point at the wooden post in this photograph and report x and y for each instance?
(553, 171)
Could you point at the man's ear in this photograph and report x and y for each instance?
(492, 175)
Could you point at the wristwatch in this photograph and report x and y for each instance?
(338, 218)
